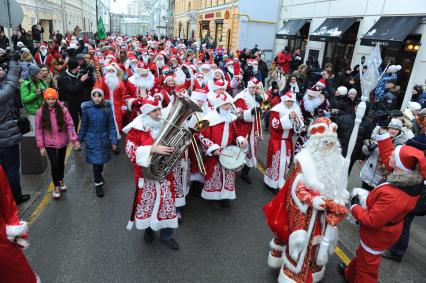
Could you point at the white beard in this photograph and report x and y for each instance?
(160, 63)
(145, 59)
(153, 126)
(226, 115)
(145, 83)
(230, 69)
(43, 52)
(201, 82)
(255, 69)
(311, 105)
(328, 163)
(111, 81)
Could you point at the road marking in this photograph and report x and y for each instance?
(48, 196)
(339, 252)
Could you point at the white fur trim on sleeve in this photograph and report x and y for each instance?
(363, 194)
(129, 103)
(318, 202)
(212, 149)
(296, 243)
(247, 116)
(143, 155)
(17, 230)
(286, 122)
(382, 137)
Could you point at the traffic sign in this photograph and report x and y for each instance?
(16, 13)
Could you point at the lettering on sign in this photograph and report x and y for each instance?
(209, 16)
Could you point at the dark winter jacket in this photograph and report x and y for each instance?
(420, 99)
(263, 69)
(98, 130)
(4, 42)
(9, 131)
(343, 104)
(70, 88)
(388, 102)
(345, 123)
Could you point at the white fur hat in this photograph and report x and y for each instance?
(149, 104)
(221, 99)
(199, 94)
(414, 106)
(342, 90)
(352, 91)
(394, 68)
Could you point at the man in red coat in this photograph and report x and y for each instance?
(284, 121)
(381, 212)
(114, 91)
(154, 203)
(247, 103)
(170, 87)
(14, 266)
(43, 57)
(222, 131)
(284, 59)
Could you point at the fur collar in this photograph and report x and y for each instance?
(409, 182)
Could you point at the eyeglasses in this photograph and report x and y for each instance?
(96, 94)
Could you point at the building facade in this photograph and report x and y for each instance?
(130, 25)
(139, 7)
(159, 17)
(235, 24)
(344, 32)
(64, 15)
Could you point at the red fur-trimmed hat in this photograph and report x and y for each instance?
(149, 104)
(407, 158)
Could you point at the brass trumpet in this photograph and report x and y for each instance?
(199, 125)
(265, 105)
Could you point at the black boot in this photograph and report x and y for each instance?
(100, 190)
(244, 175)
(390, 255)
(225, 203)
(148, 236)
(171, 244)
(341, 269)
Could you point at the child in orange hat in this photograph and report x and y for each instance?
(54, 130)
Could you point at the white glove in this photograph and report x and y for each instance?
(318, 202)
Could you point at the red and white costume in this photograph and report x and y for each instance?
(222, 131)
(248, 123)
(280, 146)
(140, 84)
(382, 211)
(154, 204)
(14, 266)
(311, 204)
(114, 91)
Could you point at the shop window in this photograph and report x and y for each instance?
(340, 53)
(404, 56)
(301, 39)
(218, 33)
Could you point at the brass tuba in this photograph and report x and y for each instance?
(174, 135)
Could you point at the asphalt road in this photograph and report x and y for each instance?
(82, 238)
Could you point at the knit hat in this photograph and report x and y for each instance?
(79, 56)
(395, 124)
(342, 90)
(394, 68)
(50, 93)
(414, 106)
(407, 157)
(25, 50)
(34, 70)
(97, 90)
(72, 64)
(149, 104)
(353, 91)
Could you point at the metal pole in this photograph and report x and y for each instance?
(9, 19)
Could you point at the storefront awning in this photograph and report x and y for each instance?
(390, 31)
(290, 29)
(332, 29)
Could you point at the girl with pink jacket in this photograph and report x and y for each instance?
(54, 130)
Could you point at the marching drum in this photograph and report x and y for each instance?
(232, 158)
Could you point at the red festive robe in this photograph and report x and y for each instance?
(166, 91)
(155, 200)
(14, 266)
(219, 182)
(280, 146)
(116, 97)
(297, 198)
(248, 124)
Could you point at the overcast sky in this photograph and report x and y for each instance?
(119, 6)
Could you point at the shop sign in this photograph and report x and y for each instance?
(209, 16)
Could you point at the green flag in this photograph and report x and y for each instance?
(101, 29)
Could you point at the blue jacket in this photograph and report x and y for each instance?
(420, 99)
(97, 129)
